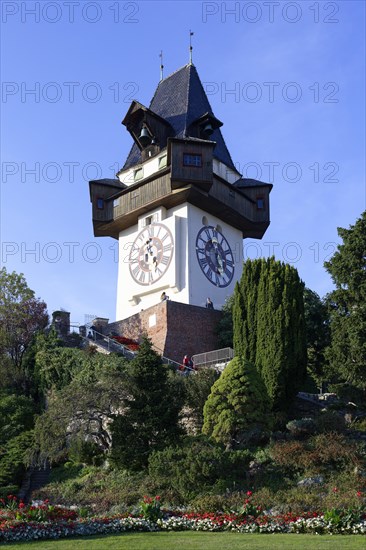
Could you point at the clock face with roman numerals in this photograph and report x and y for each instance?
(151, 254)
(214, 256)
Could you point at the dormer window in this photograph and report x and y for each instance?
(100, 204)
(162, 162)
(138, 174)
(192, 160)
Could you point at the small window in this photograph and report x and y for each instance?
(260, 203)
(100, 204)
(116, 202)
(162, 162)
(148, 220)
(192, 160)
(138, 174)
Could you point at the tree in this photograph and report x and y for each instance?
(82, 410)
(197, 390)
(150, 412)
(225, 325)
(21, 316)
(347, 303)
(269, 327)
(16, 423)
(237, 404)
(317, 334)
(56, 365)
(16, 416)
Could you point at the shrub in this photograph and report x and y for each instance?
(238, 404)
(209, 503)
(13, 460)
(197, 390)
(150, 508)
(319, 453)
(330, 421)
(289, 454)
(98, 488)
(198, 467)
(335, 450)
(360, 424)
(301, 428)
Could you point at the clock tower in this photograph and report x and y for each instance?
(178, 207)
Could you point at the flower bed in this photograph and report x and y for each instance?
(133, 345)
(24, 523)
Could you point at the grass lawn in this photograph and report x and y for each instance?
(201, 541)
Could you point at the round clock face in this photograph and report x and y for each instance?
(214, 256)
(151, 254)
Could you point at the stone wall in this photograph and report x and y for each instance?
(175, 329)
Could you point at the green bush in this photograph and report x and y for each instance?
(13, 458)
(198, 468)
(209, 503)
(85, 452)
(330, 421)
(301, 428)
(237, 405)
(360, 424)
(16, 415)
(98, 488)
(319, 453)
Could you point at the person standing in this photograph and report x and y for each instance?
(209, 304)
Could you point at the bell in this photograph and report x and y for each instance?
(207, 129)
(144, 137)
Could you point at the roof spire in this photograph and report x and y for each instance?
(190, 46)
(161, 65)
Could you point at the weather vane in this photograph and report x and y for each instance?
(190, 46)
(161, 65)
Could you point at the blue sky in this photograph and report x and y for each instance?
(286, 78)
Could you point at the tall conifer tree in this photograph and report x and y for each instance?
(269, 326)
(347, 304)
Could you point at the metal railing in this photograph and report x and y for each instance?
(113, 346)
(214, 359)
(177, 366)
(109, 344)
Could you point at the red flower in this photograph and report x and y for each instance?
(359, 493)
(157, 497)
(335, 490)
(249, 493)
(21, 505)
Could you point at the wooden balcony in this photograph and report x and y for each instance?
(222, 200)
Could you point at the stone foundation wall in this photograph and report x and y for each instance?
(175, 329)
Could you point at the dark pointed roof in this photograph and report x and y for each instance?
(181, 99)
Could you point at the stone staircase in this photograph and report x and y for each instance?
(105, 344)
